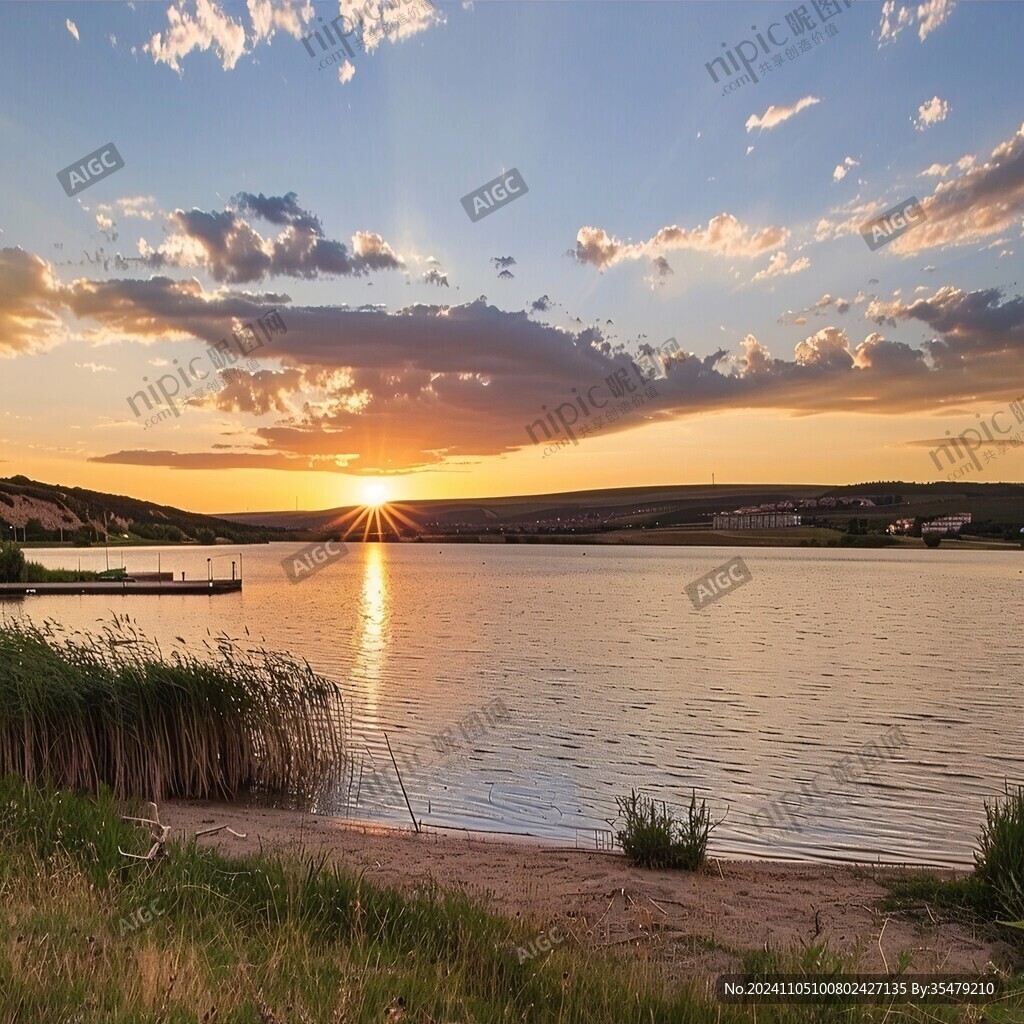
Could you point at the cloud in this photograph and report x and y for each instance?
(986, 200)
(826, 301)
(660, 272)
(106, 227)
(506, 275)
(230, 249)
(130, 206)
(774, 115)
(72, 28)
(842, 169)
(209, 28)
(929, 15)
(434, 276)
(29, 297)
(205, 25)
(503, 262)
(724, 236)
(779, 265)
(931, 112)
(279, 210)
(976, 327)
(541, 305)
(932, 14)
(936, 171)
(95, 367)
(431, 385)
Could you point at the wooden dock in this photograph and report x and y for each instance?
(129, 586)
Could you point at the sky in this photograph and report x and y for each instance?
(679, 285)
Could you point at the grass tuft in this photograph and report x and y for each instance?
(653, 838)
(999, 860)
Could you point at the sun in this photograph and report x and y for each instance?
(374, 494)
(378, 516)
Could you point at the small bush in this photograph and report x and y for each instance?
(931, 539)
(999, 860)
(12, 562)
(653, 838)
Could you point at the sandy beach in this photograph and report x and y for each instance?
(692, 925)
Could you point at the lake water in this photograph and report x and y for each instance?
(613, 680)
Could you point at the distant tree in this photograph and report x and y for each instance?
(206, 537)
(932, 539)
(34, 530)
(12, 562)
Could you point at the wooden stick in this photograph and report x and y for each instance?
(415, 823)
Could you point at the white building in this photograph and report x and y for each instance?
(753, 520)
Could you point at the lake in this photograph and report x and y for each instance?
(612, 680)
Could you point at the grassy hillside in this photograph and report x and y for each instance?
(998, 509)
(44, 512)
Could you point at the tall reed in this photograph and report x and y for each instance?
(83, 710)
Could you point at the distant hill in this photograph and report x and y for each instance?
(45, 512)
(677, 506)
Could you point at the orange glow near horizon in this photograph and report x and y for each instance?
(374, 493)
(376, 521)
(738, 448)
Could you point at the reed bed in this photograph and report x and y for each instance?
(84, 710)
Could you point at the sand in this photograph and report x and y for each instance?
(693, 925)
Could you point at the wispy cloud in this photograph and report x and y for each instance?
(780, 265)
(897, 16)
(774, 115)
(843, 169)
(723, 236)
(931, 112)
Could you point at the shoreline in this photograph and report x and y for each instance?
(693, 924)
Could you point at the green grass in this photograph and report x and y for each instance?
(88, 936)
(86, 711)
(959, 899)
(653, 838)
(993, 896)
(1000, 857)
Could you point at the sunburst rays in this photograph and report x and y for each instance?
(375, 520)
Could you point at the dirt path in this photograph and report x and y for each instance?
(694, 924)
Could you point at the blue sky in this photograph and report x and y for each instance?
(610, 115)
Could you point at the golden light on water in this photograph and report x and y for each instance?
(375, 632)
